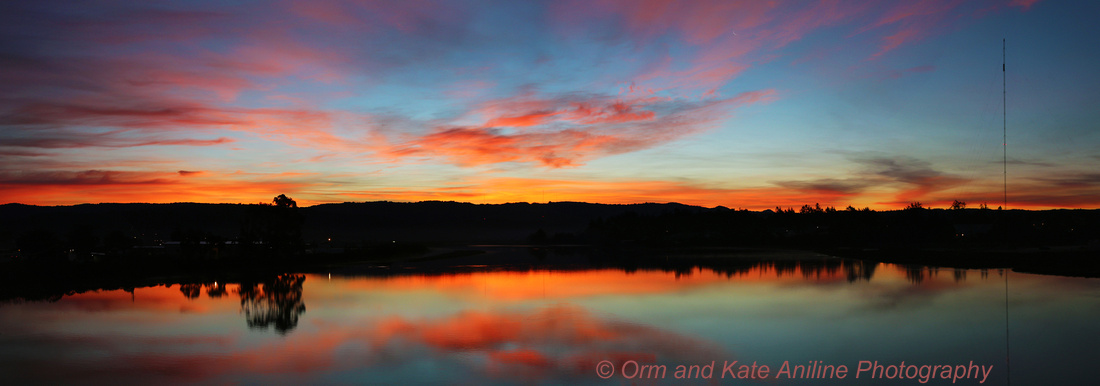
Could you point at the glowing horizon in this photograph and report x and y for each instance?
(747, 104)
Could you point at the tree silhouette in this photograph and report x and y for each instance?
(277, 228)
(191, 290)
(214, 291)
(811, 209)
(283, 201)
(276, 302)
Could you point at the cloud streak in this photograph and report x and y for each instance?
(912, 180)
(567, 131)
(92, 186)
(74, 141)
(342, 87)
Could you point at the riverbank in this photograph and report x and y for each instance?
(1073, 261)
(44, 282)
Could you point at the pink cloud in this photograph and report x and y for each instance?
(373, 16)
(567, 131)
(145, 123)
(77, 140)
(1025, 4)
(699, 22)
(913, 21)
(907, 34)
(914, 9)
(722, 38)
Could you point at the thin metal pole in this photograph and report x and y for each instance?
(1004, 144)
(1008, 355)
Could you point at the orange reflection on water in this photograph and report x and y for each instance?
(543, 284)
(487, 331)
(559, 342)
(186, 298)
(517, 286)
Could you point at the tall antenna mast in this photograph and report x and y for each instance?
(1004, 144)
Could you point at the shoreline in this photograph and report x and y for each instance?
(1076, 261)
(27, 282)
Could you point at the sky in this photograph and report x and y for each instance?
(743, 104)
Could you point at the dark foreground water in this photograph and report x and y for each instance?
(559, 326)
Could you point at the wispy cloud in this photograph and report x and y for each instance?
(910, 179)
(895, 74)
(86, 177)
(68, 187)
(569, 130)
(335, 85)
(827, 187)
(82, 140)
(1025, 4)
(1054, 189)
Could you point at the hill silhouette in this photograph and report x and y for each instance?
(423, 222)
(251, 234)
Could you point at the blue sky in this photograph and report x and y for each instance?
(743, 104)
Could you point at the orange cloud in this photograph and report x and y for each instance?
(566, 132)
(498, 190)
(470, 147)
(94, 186)
(589, 111)
(618, 112)
(1050, 191)
(887, 184)
(521, 120)
(909, 179)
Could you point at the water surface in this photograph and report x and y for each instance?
(556, 326)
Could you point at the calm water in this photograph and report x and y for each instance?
(556, 326)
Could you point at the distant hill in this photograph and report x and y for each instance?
(369, 222)
(121, 240)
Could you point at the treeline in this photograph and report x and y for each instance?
(130, 233)
(815, 227)
(281, 229)
(278, 229)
